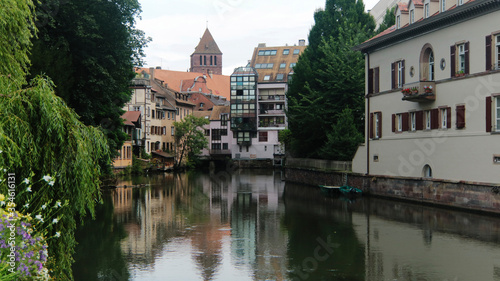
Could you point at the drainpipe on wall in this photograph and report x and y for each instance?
(367, 117)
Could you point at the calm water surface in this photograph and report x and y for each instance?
(251, 225)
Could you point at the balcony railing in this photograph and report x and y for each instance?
(272, 111)
(220, 152)
(272, 98)
(422, 91)
(274, 125)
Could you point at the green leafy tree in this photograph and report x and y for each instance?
(389, 20)
(343, 139)
(43, 145)
(329, 76)
(190, 138)
(89, 49)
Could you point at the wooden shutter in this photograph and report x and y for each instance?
(460, 116)
(419, 119)
(379, 124)
(448, 117)
(488, 114)
(370, 81)
(434, 118)
(393, 75)
(405, 119)
(370, 125)
(467, 58)
(394, 123)
(403, 72)
(488, 53)
(452, 60)
(376, 78)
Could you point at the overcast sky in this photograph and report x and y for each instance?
(237, 26)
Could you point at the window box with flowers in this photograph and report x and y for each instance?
(422, 91)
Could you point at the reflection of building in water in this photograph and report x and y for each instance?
(149, 217)
(411, 242)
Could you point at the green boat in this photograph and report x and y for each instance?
(344, 190)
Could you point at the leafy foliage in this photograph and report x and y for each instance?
(343, 139)
(329, 76)
(16, 26)
(89, 48)
(41, 136)
(389, 20)
(190, 138)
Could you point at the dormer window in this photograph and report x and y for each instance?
(201, 105)
(398, 22)
(460, 2)
(443, 6)
(412, 16)
(426, 10)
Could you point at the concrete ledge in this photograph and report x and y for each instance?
(484, 197)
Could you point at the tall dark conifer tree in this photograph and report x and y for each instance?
(329, 76)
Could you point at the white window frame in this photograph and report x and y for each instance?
(426, 10)
(399, 119)
(428, 122)
(376, 134)
(413, 121)
(443, 5)
(431, 66)
(398, 22)
(400, 74)
(460, 2)
(461, 57)
(444, 118)
(497, 51)
(412, 16)
(496, 105)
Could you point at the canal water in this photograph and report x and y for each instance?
(251, 225)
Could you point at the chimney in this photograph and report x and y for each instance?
(302, 42)
(152, 72)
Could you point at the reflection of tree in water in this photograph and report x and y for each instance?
(98, 255)
(322, 242)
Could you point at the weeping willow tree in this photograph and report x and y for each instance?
(43, 145)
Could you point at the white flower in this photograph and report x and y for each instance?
(26, 181)
(58, 204)
(26, 205)
(1, 151)
(5, 170)
(44, 207)
(47, 178)
(58, 234)
(39, 217)
(55, 221)
(2, 203)
(28, 189)
(51, 183)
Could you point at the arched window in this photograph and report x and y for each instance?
(427, 171)
(427, 70)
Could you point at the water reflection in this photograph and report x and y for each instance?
(249, 226)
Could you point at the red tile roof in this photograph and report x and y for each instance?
(207, 45)
(218, 84)
(403, 6)
(131, 117)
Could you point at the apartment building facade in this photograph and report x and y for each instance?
(433, 93)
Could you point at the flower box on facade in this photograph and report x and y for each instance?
(422, 91)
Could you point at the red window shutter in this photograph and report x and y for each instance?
(434, 118)
(379, 124)
(452, 61)
(370, 125)
(405, 119)
(394, 123)
(467, 58)
(488, 114)
(448, 117)
(393, 75)
(419, 119)
(403, 72)
(460, 116)
(370, 81)
(376, 78)
(488, 52)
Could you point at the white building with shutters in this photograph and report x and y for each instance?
(433, 93)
